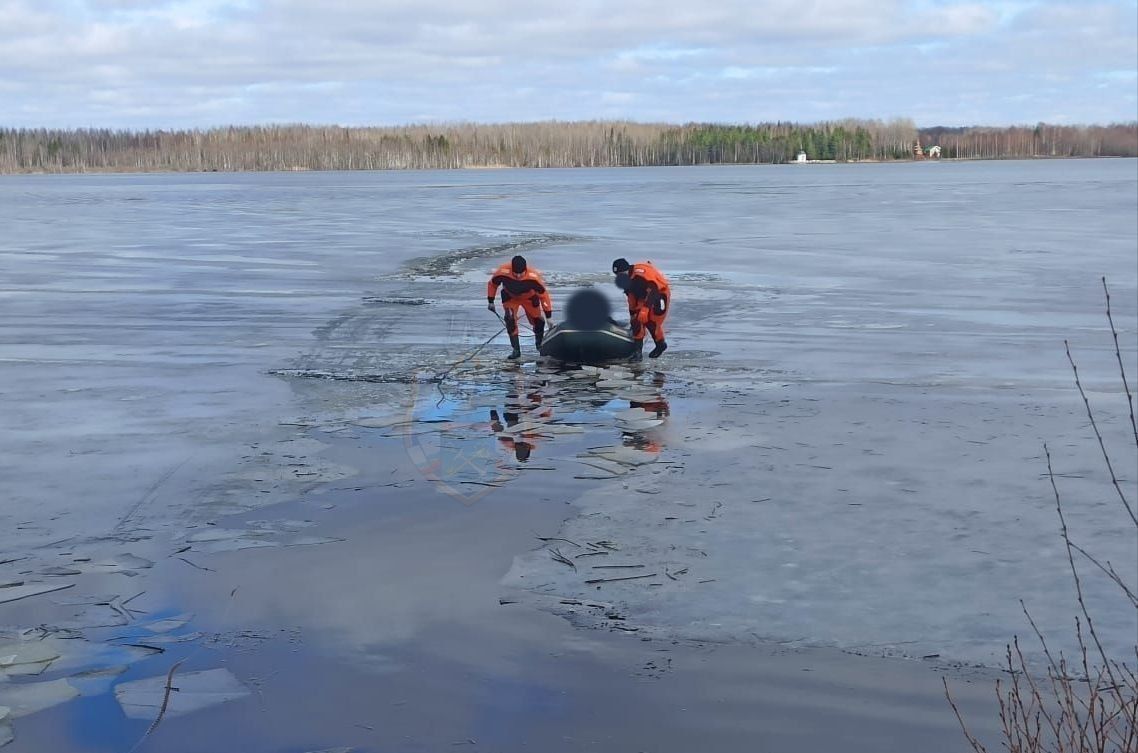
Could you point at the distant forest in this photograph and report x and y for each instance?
(548, 144)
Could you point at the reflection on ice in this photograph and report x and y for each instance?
(65, 652)
(75, 663)
(256, 535)
(29, 698)
(16, 590)
(94, 682)
(569, 407)
(81, 667)
(143, 699)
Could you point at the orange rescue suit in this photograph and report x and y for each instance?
(649, 299)
(525, 291)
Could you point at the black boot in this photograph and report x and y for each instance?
(538, 335)
(658, 350)
(517, 352)
(637, 351)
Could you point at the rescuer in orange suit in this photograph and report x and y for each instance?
(649, 299)
(522, 288)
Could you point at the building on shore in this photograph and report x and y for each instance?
(801, 157)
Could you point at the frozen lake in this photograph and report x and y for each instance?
(866, 361)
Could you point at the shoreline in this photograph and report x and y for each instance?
(481, 168)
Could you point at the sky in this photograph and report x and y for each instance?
(200, 63)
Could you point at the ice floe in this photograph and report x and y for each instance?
(142, 699)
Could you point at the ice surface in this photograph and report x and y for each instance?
(31, 697)
(136, 336)
(788, 527)
(168, 624)
(26, 658)
(258, 534)
(864, 364)
(142, 699)
(95, 682)
(64, 652)
(15, 593)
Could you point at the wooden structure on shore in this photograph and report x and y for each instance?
(933, 152)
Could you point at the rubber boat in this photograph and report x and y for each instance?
(588, 334)
(610, 342)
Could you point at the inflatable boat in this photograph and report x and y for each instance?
(588, 335)
(610, 342)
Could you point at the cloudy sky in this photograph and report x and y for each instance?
(174, 63)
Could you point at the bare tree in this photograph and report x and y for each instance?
(548, 144)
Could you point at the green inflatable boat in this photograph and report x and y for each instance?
(588, 335)
(608, 343)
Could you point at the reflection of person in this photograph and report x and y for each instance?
(642, 441)
(518, 403)
(657, 405)
(521, 448)
(649, 298)
(522, 288)
(649, 440)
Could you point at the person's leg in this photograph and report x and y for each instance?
(511, 319)
(537, 321)
(637, 321)
(656, 328)
(640, 323)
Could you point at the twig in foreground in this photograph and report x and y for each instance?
(199, 567)
(165, 703)
(610, 580)
(1098, 436)
(557, 538)
(559, 557)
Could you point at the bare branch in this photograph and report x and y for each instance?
(1098, 435)
(1121, 368)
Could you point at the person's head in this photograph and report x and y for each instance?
(522, 450)
(623, 281)
(518, 264)
(620, 266)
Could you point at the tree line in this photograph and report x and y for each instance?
(546, 144)
(1042, 140)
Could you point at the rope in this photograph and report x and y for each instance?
(441, 377)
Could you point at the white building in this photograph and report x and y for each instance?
(801, 157)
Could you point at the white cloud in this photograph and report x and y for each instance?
(197, 62)
(775, 72)
(617, 98)
(960, 20)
